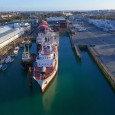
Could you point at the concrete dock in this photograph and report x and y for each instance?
(105, 61)
(78, 52)
(101, 45)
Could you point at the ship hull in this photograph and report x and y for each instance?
(45, 83)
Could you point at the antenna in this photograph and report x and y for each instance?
(24, 48)
(28, 48)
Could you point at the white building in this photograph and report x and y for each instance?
(9, 34)
(55, 19)
(67, 13)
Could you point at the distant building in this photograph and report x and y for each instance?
(57, 21)
(6, 16)
(67, 14)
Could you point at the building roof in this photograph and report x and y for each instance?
(55, 19)
(9, 34)
(4, 29)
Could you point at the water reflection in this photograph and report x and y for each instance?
(49, 95)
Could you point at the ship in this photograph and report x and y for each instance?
(27, 58)
(43, 29)
(46, 65)
(40, 39)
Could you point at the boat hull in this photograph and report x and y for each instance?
(45, 83)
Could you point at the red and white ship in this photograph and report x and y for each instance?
(40, 39)
(47, 61)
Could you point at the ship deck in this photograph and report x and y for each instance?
(38, 72)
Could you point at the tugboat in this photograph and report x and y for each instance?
(27, 58)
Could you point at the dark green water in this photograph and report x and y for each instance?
(78, 89)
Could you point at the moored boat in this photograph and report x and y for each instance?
(2, 59)
(27, 58)
(4, 67)
(26, 55)
(46, 65)
(8, 59)
(12, 59)
(0, 66)
(16, 50)
(40, 39)
(21, 45)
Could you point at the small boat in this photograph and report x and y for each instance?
(4, 67)
(17, 47)
(21, 45)
(12, 59)
(11, 54)
(27, 58)
(8, 59)
(2, 60)
(16, 50)
(0, 66)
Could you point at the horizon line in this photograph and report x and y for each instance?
(53, 10)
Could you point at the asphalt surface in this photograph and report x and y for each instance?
(102, 42)
(93, 36)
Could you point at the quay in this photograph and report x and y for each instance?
(99, 44)
(108, 70)
(78, 52)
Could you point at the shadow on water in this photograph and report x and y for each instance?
(49, 94)
(80, 61)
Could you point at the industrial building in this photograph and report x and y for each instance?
(57, 22)
(9, 33)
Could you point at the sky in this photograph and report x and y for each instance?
(55, 5)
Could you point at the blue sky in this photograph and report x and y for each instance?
(44, 5)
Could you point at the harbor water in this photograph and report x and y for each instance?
(79, 88)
